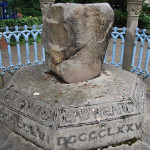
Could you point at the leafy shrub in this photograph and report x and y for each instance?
(26, 7)
(120, 18)
(29, 21)
(144, 18)
(22, 40)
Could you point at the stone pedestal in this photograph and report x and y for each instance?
(58, 116)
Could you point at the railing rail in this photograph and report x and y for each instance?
(19, 28)
(17, 34)
(141, 36)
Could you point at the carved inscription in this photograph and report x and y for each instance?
(16, 122)
(102, 133)
(74, 116)
(39, 111)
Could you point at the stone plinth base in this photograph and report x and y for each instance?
(54, 115)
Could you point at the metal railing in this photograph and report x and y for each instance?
(117, 33)
(140, 59)
(25, 33)
(142, 37)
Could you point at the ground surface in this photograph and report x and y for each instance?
(11, 141)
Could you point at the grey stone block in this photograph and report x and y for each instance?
(55, 115)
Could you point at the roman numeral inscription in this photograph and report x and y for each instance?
(99, 134)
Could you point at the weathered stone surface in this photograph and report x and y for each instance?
(54, 115)
(76, 38)
(11, 141)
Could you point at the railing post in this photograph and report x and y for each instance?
(133, 8)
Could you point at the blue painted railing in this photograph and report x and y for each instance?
(141, 36)
(17, 34)
(115, 35)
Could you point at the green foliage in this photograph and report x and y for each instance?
(32, 7)
(144, 18)
(27, 7)
(22, 40)
(120, 18)
(29, 21)
(81, 1)
(118, 4)
(144, 21)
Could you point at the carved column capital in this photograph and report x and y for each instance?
(134, 7)
(45, 5)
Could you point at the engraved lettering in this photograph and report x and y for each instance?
(82, 137)
(107, 111)
(72, 139)
(67, 116)
(46, 115)
(76, 115)
(33, 108)
(85, 114)
(22, 104)
(61, 141)
(138, 125)
(100, 111)
(20, 125)
(129, 126)
(109, 132)
(94, 112)
(32, 131)
(41, 134)
(120, 130)
(92, 135)
(130, 107)
(26, 127)
(102, 134)
(125, 108)
(114, 109)
(13, 120)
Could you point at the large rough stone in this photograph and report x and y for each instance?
(76, 38)
(58, 116)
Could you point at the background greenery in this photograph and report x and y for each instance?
(21, 21)
(30, 8)
(27, 7)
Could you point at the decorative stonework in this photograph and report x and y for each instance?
(45, 5)
(134, 7)
(86, 115)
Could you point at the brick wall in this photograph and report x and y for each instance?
(3, 43)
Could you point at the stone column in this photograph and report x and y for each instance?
(45, 5)
(133, 8)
